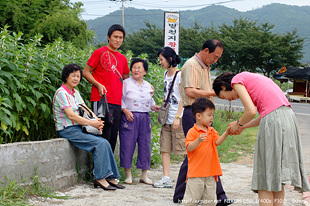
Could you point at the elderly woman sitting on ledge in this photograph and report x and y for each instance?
(68, 125)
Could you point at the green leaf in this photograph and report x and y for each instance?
(29, 99)
(6, 105)
(2, 81)
(43, 106)
(18, 83)
(17, 128)
(38, 94)
(3, 126)
(4, 91)
(26, 120)
(5, 120)
(6, 111)
(24, 128)
(15, 119)
(3, 60)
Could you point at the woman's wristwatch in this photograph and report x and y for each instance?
(177, 117)
(239, 123)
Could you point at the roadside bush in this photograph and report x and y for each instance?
(29, 77)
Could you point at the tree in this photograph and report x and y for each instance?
(148, 40)
(192, 38)
(51, 18)
(250, 46)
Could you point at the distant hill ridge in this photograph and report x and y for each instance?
(286, 18)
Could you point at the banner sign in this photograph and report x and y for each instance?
(172, 30)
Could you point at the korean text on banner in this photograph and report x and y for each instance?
(172, 30)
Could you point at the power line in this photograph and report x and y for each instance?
(159, 5)
(153, 5)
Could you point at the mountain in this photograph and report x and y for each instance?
(286, 18)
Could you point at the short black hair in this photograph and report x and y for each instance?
(68, 69)
(212, 44)
(135, 60)
(170, 55)
(223, 80)
(201, 104)
(116, 27)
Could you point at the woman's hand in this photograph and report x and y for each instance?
(153, 90)
(128, 114)
(98, 123)
(239, 131)
(233, 127)
(176, 123)
(155, 108)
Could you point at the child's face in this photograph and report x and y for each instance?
(206, 118)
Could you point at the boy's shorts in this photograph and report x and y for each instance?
(172, 141)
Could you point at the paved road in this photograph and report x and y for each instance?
(298, 108)
(302, 112)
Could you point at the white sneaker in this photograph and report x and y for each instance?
(165, 182)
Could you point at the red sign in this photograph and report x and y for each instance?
(283, 69)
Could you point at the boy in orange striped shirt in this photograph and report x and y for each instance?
(203, 161)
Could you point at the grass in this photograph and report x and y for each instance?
(14, 193)
(236, 145)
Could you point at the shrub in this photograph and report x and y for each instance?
(29, 77)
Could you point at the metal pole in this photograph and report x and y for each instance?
(307, 90)
(123, 24)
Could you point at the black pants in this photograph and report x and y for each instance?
(110, 131)
(188, 121)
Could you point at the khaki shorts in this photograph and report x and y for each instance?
(200, 189)
(172, 141)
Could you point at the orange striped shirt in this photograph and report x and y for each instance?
(194, 74)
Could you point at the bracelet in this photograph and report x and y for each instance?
(239, 123)
(177, 117)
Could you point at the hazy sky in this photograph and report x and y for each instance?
(99, 8)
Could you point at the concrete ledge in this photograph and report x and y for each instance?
(55, 161)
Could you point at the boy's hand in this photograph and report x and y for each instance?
(202, 137)
(238, 132)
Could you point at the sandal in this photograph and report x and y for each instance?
(146, 181)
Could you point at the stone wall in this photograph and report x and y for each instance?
(53, 160)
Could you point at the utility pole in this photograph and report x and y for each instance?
(123, 13)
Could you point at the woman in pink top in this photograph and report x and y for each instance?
(278, 153)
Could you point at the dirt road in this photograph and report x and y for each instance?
(236, 182)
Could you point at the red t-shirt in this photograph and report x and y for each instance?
(104, 60)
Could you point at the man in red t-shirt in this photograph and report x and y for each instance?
(105, 70)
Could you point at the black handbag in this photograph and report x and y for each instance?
(103, 111)
(87, 114)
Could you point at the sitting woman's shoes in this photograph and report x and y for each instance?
(146, 180)
(118, 186)
(97, 184)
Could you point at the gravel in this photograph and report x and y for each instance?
(236, 181)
